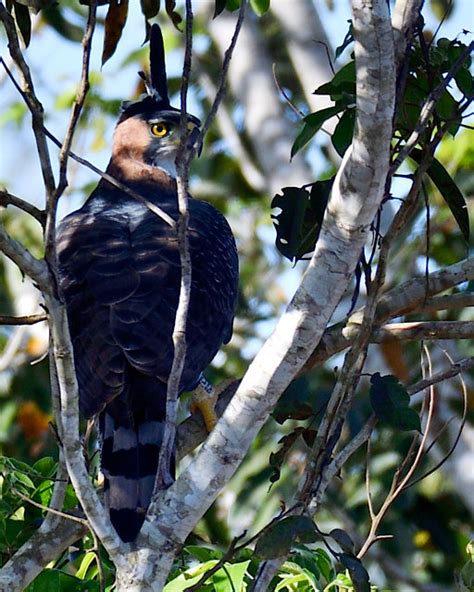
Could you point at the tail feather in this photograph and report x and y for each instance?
(129, 464)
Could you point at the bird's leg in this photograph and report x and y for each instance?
(204, 399)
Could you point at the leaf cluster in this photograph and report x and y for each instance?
(428, 66)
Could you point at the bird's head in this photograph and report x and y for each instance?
(149, 130)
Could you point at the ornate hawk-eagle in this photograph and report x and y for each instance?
(120, 276)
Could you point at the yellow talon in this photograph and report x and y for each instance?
(204, 400)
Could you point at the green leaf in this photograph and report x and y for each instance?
(279, 537)
(464, 82)
(302, 399)
(390, 402)
(260, 7)
(359, 576)
(342, 137)
(344, 81)
(277, 458)
(449, 190)
(232, 5)
(306, 559)
(447, 109)
(324, 564)
(189, 578)
(46, 467)
(299, 222)
(411, 104)
(86, 562)
(203, 553)
(312, 124)
(70, 499)
(44, 492)
(53, 580)
(295, 577)
(230, 577)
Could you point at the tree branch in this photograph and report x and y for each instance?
(449, 302)
(69, 428)
(407, 298)
(183, 160)
(36, 269)
(50, 228)
(356, 197)
(26, 320)
(417, 331)
(405, 17)
(42, 548)
(219, 96)
(456, 368)
(7, 199)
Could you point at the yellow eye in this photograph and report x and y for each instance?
(160, 130)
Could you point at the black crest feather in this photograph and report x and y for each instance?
(158, 84)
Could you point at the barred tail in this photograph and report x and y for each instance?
(129, 464)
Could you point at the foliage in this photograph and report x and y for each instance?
(427, 65)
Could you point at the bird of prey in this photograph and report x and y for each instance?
(120, 273)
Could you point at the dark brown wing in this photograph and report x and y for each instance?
(120, 276)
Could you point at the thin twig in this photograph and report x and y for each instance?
(183, 160)
(7, 199)
(370, 505)
(223, 78)
(285, 96)
(36, 269)
(50, 229)
(414, 331)
(25, 498)
(450, 302)
(416, 450)
(456, 368)
(26, 320)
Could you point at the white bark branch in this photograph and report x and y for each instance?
(356, 197)
(69, 429)
(419, 330)
(405, 17)
(410, 296)
(36, 269)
